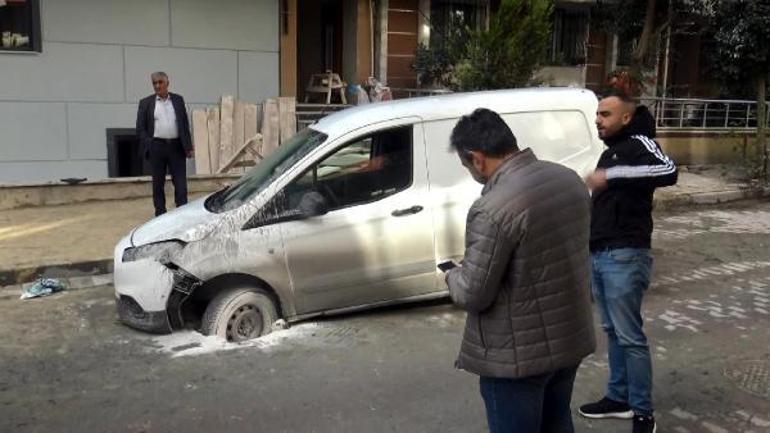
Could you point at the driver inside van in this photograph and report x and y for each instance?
(368, 168)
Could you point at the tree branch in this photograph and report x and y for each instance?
(644, 41)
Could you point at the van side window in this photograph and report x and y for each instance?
(364, 170)
(552, 135)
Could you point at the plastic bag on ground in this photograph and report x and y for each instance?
(43, 287)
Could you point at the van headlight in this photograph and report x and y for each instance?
(160, 251)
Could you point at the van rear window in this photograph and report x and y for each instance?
(559, 136)
(553, 135)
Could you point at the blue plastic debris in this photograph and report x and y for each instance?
(43, 287)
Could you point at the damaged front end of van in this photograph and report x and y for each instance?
(153, 287)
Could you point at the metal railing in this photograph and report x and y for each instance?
(679, 113)
(673, 113)
(400, 92)
(669, 113)
(309, 113)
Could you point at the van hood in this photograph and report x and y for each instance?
(188, 223)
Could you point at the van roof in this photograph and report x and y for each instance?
(454, 105)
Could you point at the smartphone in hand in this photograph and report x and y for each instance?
(447, 265)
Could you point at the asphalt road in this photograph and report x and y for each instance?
(66, 365)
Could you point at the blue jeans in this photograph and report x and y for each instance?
(536, 404)
(619, 278)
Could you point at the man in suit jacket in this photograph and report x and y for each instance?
(164, 135)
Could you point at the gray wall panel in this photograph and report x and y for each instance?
(64, 72)
(88, 124)
(200, 76)
(32, 131)
(136, 22)
(55, 106)
(233, 24)
(258, 76)
(19, 172)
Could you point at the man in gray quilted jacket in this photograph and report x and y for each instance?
(523, 280)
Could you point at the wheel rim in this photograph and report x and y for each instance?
(245, 323)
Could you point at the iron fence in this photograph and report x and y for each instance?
(670, 113)
(679, 113)
(399, 92)
(307, 114)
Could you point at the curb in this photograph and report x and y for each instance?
(710, 198)
(78, 272)
(60, 270)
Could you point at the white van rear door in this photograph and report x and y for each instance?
(452, 192)
(563, 136)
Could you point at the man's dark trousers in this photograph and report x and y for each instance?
(168, 156)
(536, 404)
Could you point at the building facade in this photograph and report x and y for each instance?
(72, 71)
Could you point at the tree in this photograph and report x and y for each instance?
(640, 21)
(644, 22)
(741, 53)
(508, 53)
(640, 53)
(739, 31)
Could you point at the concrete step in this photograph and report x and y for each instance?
(16, 196)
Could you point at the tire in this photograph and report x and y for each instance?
(239, 315)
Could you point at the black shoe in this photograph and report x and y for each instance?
(606, 408)
(644, 424)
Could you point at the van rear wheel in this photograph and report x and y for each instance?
(239, 315)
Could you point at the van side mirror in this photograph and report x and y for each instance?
(312, 204)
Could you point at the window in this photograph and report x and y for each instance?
(366, 170)
(259, 177)
(20, 25)
(452, 16)
(625, 52)
(568, 37)
(552, 135)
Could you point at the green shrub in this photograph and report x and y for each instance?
(435, 63)
(510, 51)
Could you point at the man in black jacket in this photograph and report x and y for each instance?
(164, 135)
(621, 228)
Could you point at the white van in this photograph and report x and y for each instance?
(354, 211)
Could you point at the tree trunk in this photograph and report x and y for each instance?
(761, 124)
(640, 53)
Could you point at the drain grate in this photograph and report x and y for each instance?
(751, 376)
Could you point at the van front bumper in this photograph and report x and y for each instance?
(131, 314)
(142, 290)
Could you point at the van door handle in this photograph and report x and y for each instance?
(408, 211)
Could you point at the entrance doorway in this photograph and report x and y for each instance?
(319, 40)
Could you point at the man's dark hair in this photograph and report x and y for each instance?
(483, 131)
(618, 93)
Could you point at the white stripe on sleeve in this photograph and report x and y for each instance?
(666, 167)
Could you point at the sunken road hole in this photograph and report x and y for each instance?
(751, 376)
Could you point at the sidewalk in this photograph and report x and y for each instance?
(66, 240)
(78, 239)
(705, 185)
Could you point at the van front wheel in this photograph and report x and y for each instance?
(239, 315)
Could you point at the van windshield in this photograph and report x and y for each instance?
(265, 171)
